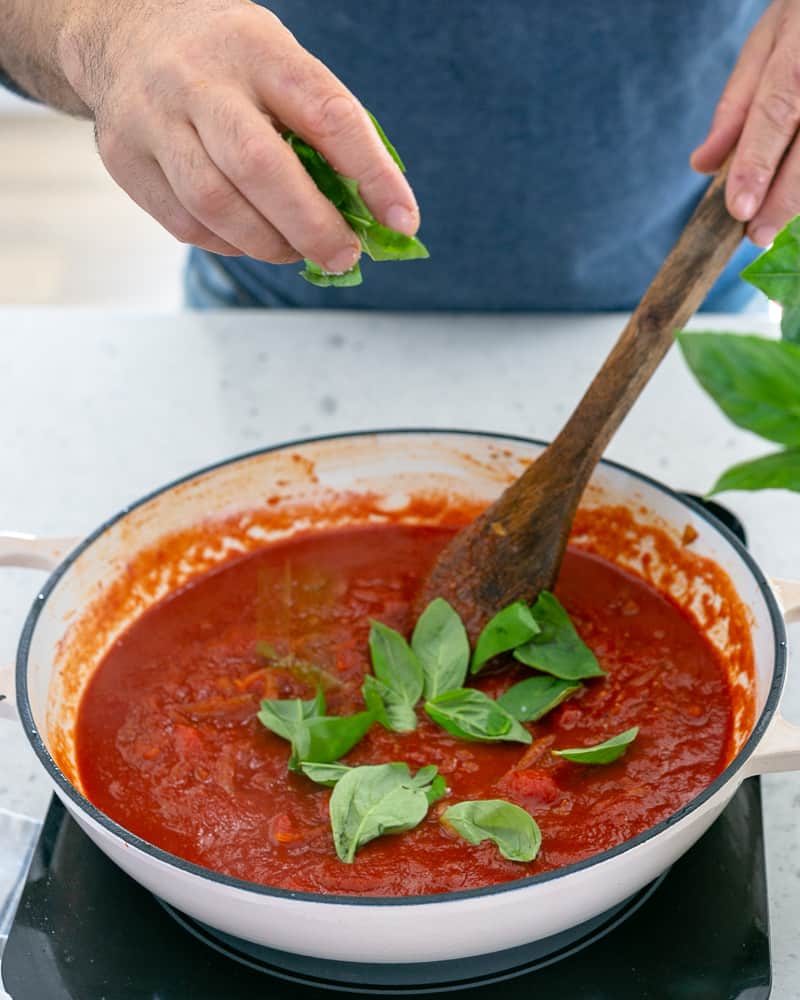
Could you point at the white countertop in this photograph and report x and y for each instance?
(97, 408)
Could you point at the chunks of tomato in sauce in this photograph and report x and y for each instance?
(169, 745)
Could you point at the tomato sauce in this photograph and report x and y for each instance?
(168, 743)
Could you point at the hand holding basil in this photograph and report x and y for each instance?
(377, 241)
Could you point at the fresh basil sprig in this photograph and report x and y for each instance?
(472, 715)
(511, 627)
(377, 241)
(601, 753)
(754, 380)
(313, 735)
(398, 680)
(514, 831)
(557, 649)
(373, 800)
(442, 647)
(534, 697)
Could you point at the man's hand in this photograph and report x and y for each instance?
(189, 100)
(759, 112)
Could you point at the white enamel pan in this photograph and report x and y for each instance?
(51, 673)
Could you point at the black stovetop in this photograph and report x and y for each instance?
(86, 931)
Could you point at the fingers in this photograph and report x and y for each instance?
(311, 101)
(144, 181)
(211, 198)
(781, 204)
(770, 128)
(243, 146)
(734, 104)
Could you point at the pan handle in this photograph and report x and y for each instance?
(28, 552)
(31, 552)
(779, 749)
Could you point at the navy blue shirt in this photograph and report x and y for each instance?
(547, 143)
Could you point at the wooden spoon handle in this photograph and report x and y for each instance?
(705, 246)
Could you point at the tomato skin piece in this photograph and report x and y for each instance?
(168, 743)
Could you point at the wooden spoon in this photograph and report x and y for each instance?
(514, 549)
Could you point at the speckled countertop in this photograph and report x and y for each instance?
(97, 408)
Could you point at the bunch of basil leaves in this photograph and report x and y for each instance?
(377, 241)
(756, 380)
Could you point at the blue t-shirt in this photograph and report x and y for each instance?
(547, 144)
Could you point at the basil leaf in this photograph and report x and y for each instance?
(314, 736)
(756, 382)
(442, 647)
(472, 715)
(557, 649)
(284, 717)
(509, 628)
(324, 774)
(601, 753)
(377, 241)
(515, 831)
(390, 710)
(779, 471)
(314, 275)
(329, 737)
(392, 151)
(536, 696)
(790, 323)
(374, 800)
(776, 272)
(400, 675)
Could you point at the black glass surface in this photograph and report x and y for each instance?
(86, 931)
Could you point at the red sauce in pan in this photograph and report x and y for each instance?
(168, 742)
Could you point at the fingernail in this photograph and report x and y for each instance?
(400, 219)
(764, 235)
(342, 261)
(744, 205)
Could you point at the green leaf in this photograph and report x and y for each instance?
(314, 736)
(329, 737)
(390, 710)
(314, 275)
(512, 829)
(286, 716)
(400, 675)
(557, 649)
(756, 382)
(377, 241)
(601, 753)
(776, 272)
(790, 324)
(472, 715)
(324, 774)
(441, 645)
(536, 696)
(779, 471)
(374, 800)
(384, 139)
(509, 628)
(381, 243)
